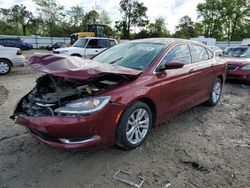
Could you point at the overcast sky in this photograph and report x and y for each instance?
(171, 10)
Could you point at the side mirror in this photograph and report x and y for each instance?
(171, 65)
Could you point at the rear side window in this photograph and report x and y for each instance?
(92, 43)
(180, 53)
(210, 54)
(112, 43)
(103, 43)
(98, 43)
(199, 53)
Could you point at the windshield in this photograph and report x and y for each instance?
(131, 55)
(238, 52)
(81, 43)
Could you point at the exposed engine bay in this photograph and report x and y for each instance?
(52, 92)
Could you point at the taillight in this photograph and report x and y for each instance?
(19, 52)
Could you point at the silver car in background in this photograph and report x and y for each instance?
(9, 58)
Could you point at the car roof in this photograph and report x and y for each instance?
(166, 41)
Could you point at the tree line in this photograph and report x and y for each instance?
(220, 19)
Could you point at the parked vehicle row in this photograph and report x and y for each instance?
(15, 42)
(120, 94)
(10, 57)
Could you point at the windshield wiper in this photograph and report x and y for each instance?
(115, 61)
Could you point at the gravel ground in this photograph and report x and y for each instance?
(204, 147)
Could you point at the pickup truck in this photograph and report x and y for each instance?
(87, 47)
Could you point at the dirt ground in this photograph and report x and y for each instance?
(204, 147)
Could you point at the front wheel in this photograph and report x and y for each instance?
(215, 93)
(134, 125)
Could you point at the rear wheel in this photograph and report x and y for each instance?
(5, 67)
(215, 93)
(134, 125)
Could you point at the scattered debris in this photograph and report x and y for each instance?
(167, 185)
(123, 176)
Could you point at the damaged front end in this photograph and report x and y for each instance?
(72, 86)
(60, 96)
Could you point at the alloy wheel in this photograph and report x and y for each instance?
(137, 126)
(4, 67)
(216, 92)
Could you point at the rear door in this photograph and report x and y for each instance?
(95, 46)
(175, 83)
(203, 65)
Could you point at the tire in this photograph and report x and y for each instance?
(5, 67)
(130, 133)
(215, 93)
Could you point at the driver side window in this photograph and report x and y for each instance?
(180, 53)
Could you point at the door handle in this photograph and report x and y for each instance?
(212, 65)
(96, 51)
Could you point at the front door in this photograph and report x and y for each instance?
(178, 86)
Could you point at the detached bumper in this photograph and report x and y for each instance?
(98, 129)
(18, 61)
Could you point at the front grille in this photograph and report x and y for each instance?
(231, 67)
(56, 52)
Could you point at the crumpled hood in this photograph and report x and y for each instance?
(75, 67)
(236, 60)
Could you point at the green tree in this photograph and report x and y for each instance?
(52, 15)
(19, 16)
(223, 18)
(133, 14)
(76, 15)
(234, 13)
(158, 29)
(185, 28)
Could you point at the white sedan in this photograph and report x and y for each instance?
(10, 57)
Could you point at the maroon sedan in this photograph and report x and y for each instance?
(119, 95)
(238, 63)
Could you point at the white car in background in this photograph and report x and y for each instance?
(216, 50)
(10, 57)
(87, 47)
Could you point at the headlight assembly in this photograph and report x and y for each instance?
(245, 67)
(84, 106)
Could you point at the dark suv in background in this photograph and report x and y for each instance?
(15, 42)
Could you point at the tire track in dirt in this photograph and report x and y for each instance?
(3, 94)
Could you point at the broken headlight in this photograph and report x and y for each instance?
(84, 106)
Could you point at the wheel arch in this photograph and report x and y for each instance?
(76, 54)
(151, 105)
(221, 78)
(11, 64)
